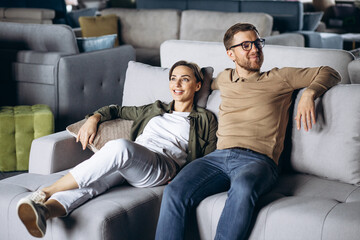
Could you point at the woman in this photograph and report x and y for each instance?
(166, 136)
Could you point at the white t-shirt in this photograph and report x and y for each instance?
(168, 135)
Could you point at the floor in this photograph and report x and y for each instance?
(4, 175)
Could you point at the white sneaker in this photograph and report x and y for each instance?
(38, 196)
(32, 215)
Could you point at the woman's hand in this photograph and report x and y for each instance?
(306, 110)
(88, 131)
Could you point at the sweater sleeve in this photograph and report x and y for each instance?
(319, 79)
(115, 111)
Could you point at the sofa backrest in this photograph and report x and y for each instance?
(146, 28)
(288, 15)
(37, 37)
(211, 26)
(354, 71)
(27, 15)
(29, 54)
(331, 149)
(213, 54)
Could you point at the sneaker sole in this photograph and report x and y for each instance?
(28, 216)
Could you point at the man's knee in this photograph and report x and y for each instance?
(174, 193)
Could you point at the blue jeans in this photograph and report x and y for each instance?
(245, 174)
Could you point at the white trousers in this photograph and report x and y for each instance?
(117, 161)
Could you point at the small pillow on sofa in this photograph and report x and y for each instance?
(145, 84)
(74, 15)
(311, 20)
(107, 131)
(99, 26)
(96, 43)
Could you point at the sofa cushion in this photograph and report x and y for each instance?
(41, 38)
(118, 213)
(214, 54)
(331, 149)
(73, 16)
(157, 85)
(146, 28)
(30, 13)
(109, 130)
(354, 71)
(297, 203)
(99, 26)
(89, 44)
(211, 26)
(312, 20)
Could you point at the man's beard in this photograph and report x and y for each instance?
(249, 66)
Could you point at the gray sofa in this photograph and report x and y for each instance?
(27, 15)
(41, 64)
(317, 196)
(288, 16)
(166, 24)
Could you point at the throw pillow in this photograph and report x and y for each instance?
(311, 20)
(154, 81)
(73, 16)
(96, 43)
(331, 149)
(99, 26)
(109, 130)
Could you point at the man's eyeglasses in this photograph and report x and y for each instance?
(247, 45)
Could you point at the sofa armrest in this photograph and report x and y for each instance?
(56, 152)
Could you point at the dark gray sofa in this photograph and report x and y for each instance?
(41, 64)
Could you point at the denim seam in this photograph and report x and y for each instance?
(218, 172)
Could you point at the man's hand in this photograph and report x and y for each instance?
(306, 110)
(88, 131)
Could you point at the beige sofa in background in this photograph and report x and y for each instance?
(27, 15)
(147, 29)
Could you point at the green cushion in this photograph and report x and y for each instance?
(20, 125)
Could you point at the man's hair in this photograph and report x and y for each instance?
(238, 27)
(193, 66)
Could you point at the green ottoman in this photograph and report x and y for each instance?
(19, 126)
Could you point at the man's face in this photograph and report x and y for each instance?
(248, 60)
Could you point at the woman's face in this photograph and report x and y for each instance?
(183, 84)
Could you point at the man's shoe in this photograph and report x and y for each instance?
(33, 216)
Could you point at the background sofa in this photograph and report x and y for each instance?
(289, 16)
(41, 64)
(317, 196)
(27, 15)
(18, 9)
(166, 24)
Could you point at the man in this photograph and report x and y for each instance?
(252, 122)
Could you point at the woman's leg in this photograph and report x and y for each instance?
(117, 160)
(137, 164)
(71, 199)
